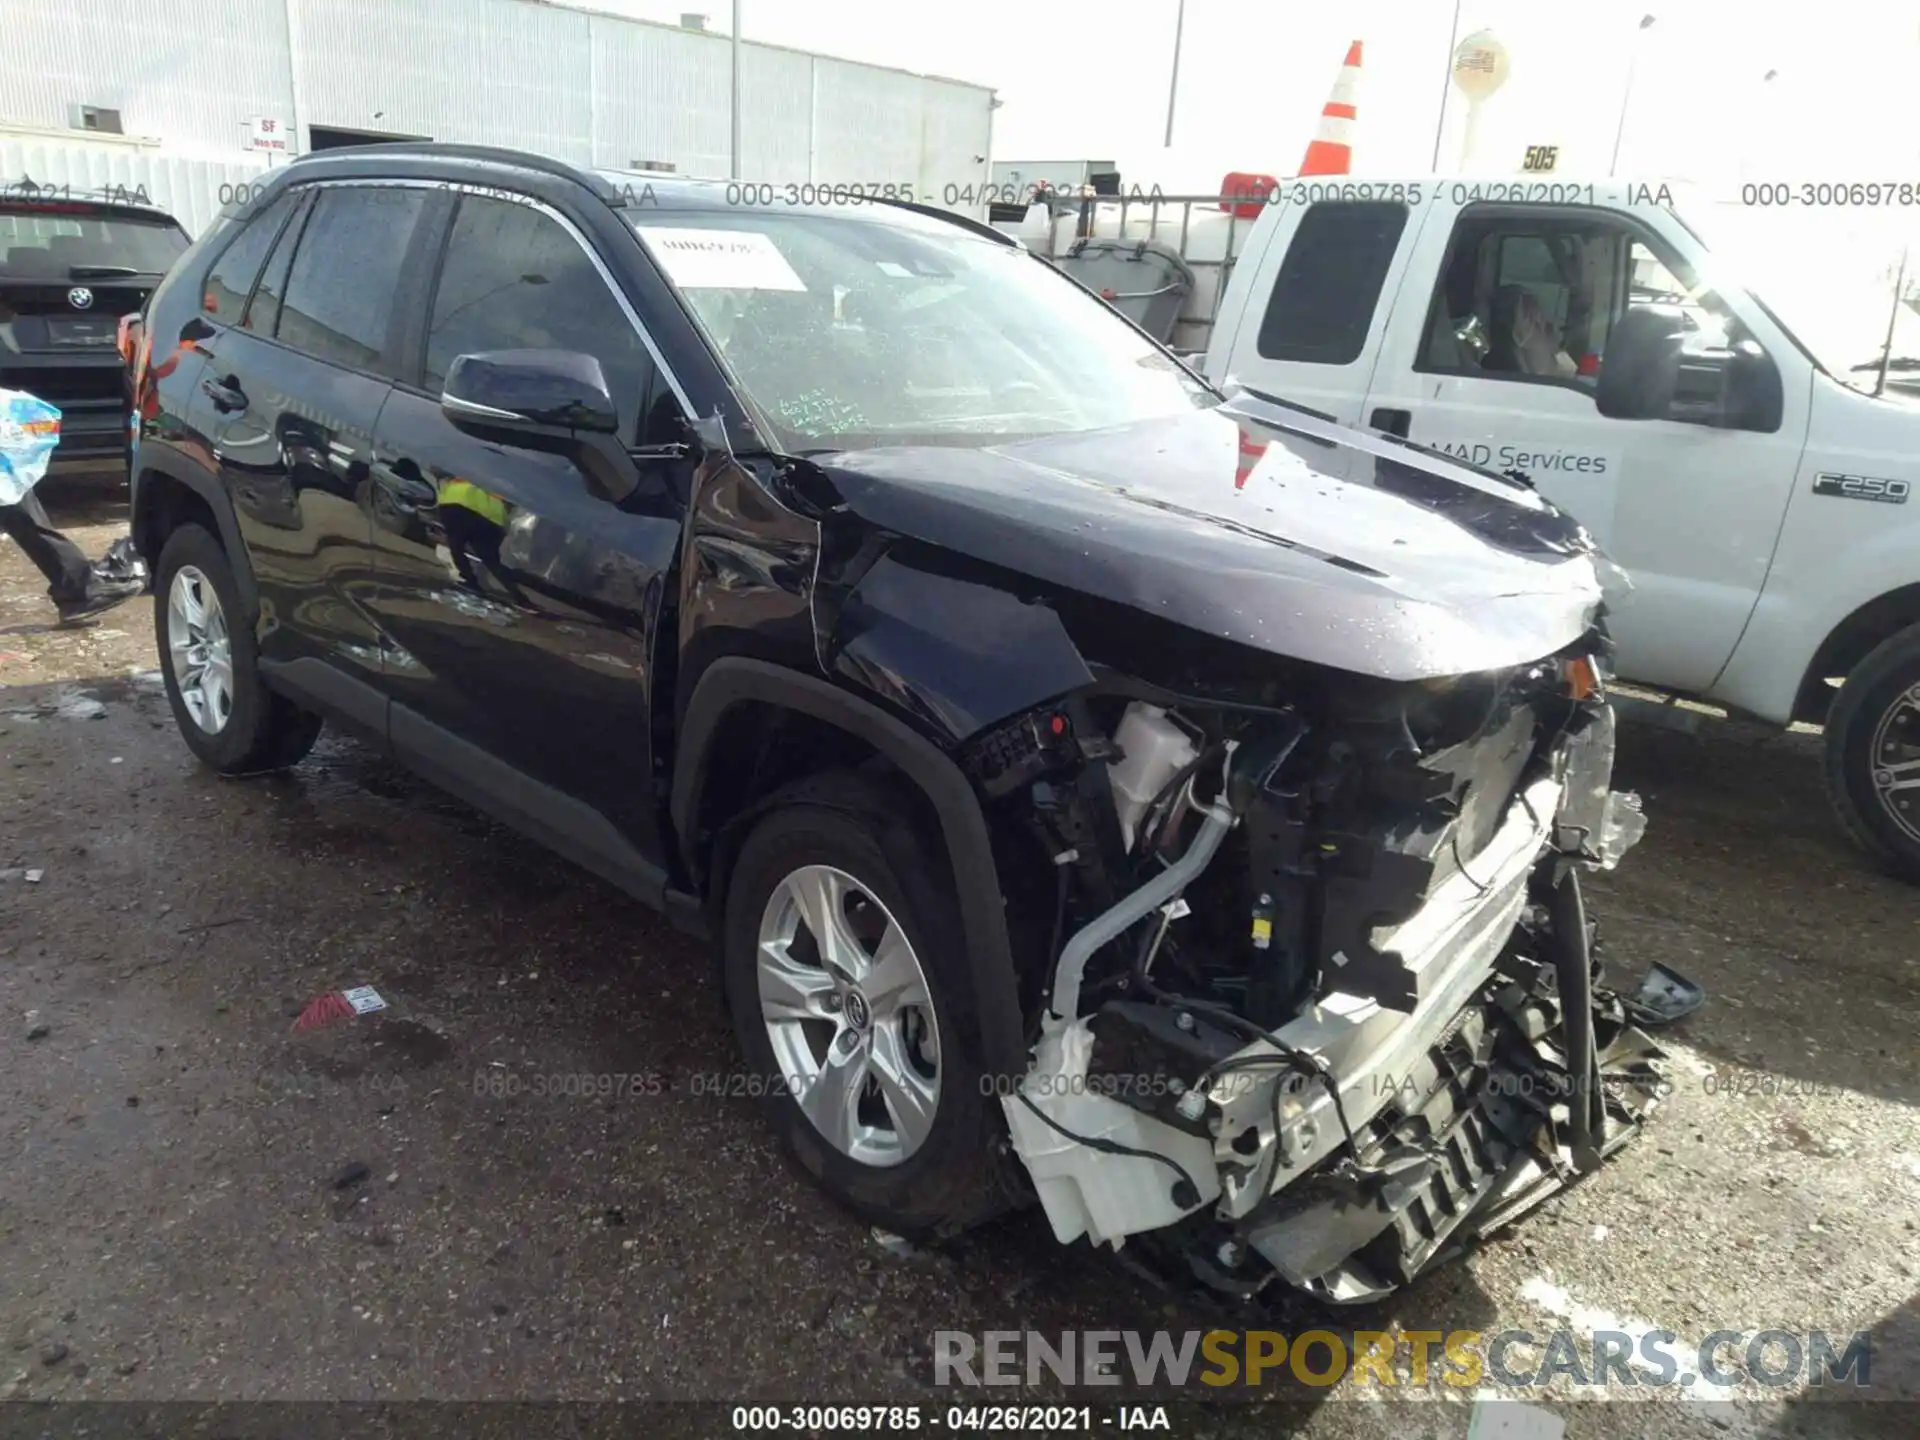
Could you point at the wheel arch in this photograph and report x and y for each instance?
(1850, 642)
(167, 496)
(736, 692)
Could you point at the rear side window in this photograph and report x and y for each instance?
(346, 268)
(514, 279)
(263, 315)
(1329, 285)
(225, 297)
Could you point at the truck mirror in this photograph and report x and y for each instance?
(1661, 365)
(1641, 368)
(1756, 397)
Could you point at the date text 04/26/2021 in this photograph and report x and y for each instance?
(998, 1419)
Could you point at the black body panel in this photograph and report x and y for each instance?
(1378, 579)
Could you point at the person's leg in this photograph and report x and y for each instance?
(66, 567)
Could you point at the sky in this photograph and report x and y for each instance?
(1091, 81)
(1080, 80)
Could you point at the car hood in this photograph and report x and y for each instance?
(1262, 525)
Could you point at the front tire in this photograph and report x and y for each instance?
(849, 990)
(210, 664)
(1873, 754)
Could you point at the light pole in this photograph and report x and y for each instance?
(1173, 86)
(733, 172)
(1626, 99)
(1440, 126)
(1763, 131)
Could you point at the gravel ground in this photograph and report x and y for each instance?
(199, 1203)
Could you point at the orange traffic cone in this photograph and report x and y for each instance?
(1331, 152)
(1252, 449)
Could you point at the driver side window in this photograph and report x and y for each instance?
(515, 279)
(1523, 299)
(1533, 300)
(1651, 281)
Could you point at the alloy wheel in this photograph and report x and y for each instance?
(1894, 756)
(199, 647)
(850, 1015)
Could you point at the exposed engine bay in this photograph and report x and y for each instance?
(1321, 1002)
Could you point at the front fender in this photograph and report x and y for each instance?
(738, 680)
(955, 652)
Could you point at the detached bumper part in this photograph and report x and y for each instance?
(1596, 823)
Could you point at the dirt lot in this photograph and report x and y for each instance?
(181, 1216)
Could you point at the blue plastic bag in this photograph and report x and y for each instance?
(29, 429)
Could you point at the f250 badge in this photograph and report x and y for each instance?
(1863, 487)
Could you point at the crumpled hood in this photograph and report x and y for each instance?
(1261, 525)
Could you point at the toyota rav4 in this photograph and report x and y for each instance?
(1099, 789)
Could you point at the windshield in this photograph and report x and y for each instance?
(58, 242)
(852, 330)
(1831, 283)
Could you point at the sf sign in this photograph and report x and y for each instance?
(1540, 159)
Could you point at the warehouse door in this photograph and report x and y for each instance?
(328, 137)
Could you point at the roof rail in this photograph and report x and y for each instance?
(493, 154)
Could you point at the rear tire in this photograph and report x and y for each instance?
(887, 1159)
(211, 664)
(1872, 732)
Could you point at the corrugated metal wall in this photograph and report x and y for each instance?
(592, 89)
(192, 191)
(189, 72)
(492, 72)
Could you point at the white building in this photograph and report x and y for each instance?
(188, 96)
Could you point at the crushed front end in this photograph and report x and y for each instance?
(1321, 1001)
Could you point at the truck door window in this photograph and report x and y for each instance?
(1650, 282)
(1329, 285)
(1522, 300)
(1531, 299)
(1528, 262)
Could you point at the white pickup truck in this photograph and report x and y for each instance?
(1730, 437)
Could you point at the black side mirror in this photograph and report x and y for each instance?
(537, 391)
(1660, 365)
(550, 400)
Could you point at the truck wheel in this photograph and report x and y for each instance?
(210, 664)
(1873, 754)
(850, 993)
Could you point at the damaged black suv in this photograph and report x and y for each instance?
(1164, 804)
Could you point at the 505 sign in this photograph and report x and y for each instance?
(1540, 159)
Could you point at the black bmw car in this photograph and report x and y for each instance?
(70, 267)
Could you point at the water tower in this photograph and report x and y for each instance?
(1479, 69)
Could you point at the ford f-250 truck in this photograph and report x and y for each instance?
(1739, 441)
